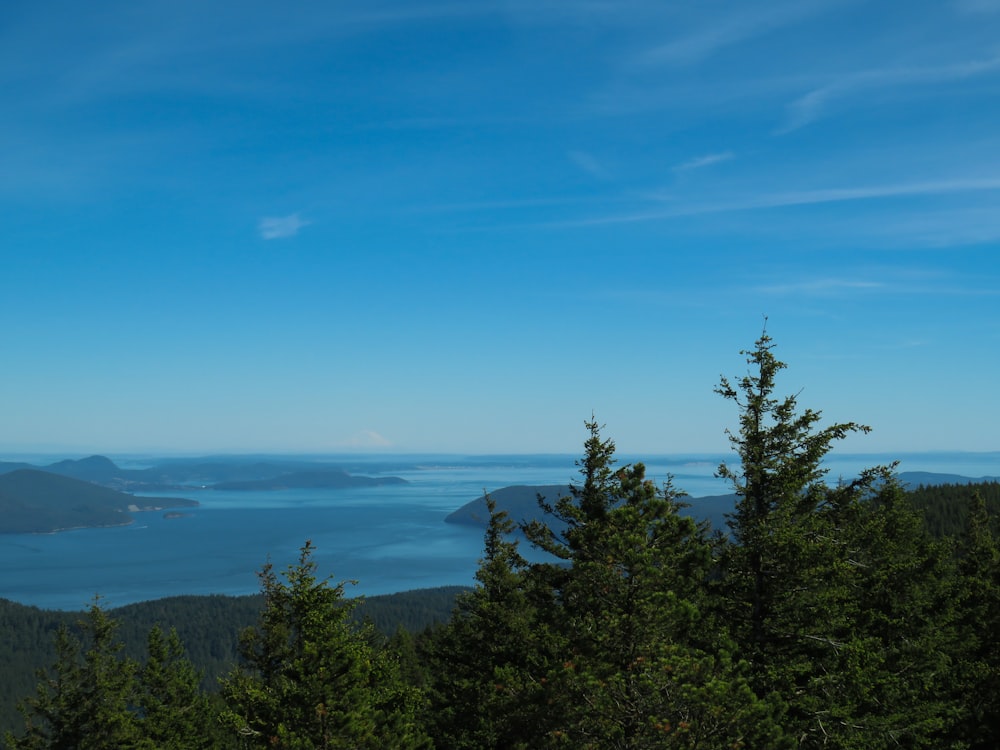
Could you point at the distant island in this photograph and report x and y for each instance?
(34, 501)
(227, 473)
(94, 491)
(329, 479)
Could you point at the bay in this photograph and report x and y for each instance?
(390, 538)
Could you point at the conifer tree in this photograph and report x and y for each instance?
(310, 678)
(639, 665)
(808, 580)
(84, 701)
(488, 658)
(175, 713)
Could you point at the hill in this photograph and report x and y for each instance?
(519, 501)
(209, 627)
(33, 501)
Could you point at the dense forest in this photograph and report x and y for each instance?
(845, 615)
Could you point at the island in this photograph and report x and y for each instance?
(322, 479)
(34, 501)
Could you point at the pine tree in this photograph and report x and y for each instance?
(310, 678)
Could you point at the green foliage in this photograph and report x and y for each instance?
(310, 678)
(84, 700)
(975, 645)
(641, 664)
(208, 626)
(484, 663)
(175, 713)
(946, 508)
(832, 594)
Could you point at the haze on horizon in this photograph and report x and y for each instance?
(466, 227)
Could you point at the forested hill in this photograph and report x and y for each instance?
(209, 627)
(33, 501)
(945, 507)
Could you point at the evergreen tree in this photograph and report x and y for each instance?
(311, 678)
(639, 665)
(175, 713)
(487, 660)
(84, 701)
(808, 580)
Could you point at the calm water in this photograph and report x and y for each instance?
(389, 538)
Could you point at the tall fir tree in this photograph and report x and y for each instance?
(807, 581)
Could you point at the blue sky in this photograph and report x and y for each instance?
(466, 226)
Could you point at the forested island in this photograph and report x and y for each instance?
(858, 614)
(33, 501)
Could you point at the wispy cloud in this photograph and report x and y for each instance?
(727, 30)
(827, 286)
(280, 227)
(805, 197)
(704, 161)
(811, 106)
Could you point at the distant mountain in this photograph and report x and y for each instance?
(38, 501)
(93, 469)
(323, 479)
(9, 466)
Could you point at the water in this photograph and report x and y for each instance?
(390, 538)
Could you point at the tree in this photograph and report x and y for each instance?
(175, 713)
(639, 664)
(310, 677)
(84, 701)
(829, 590)
(902, 624)
(487, 660)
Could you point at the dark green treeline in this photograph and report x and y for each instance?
(847, 616)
